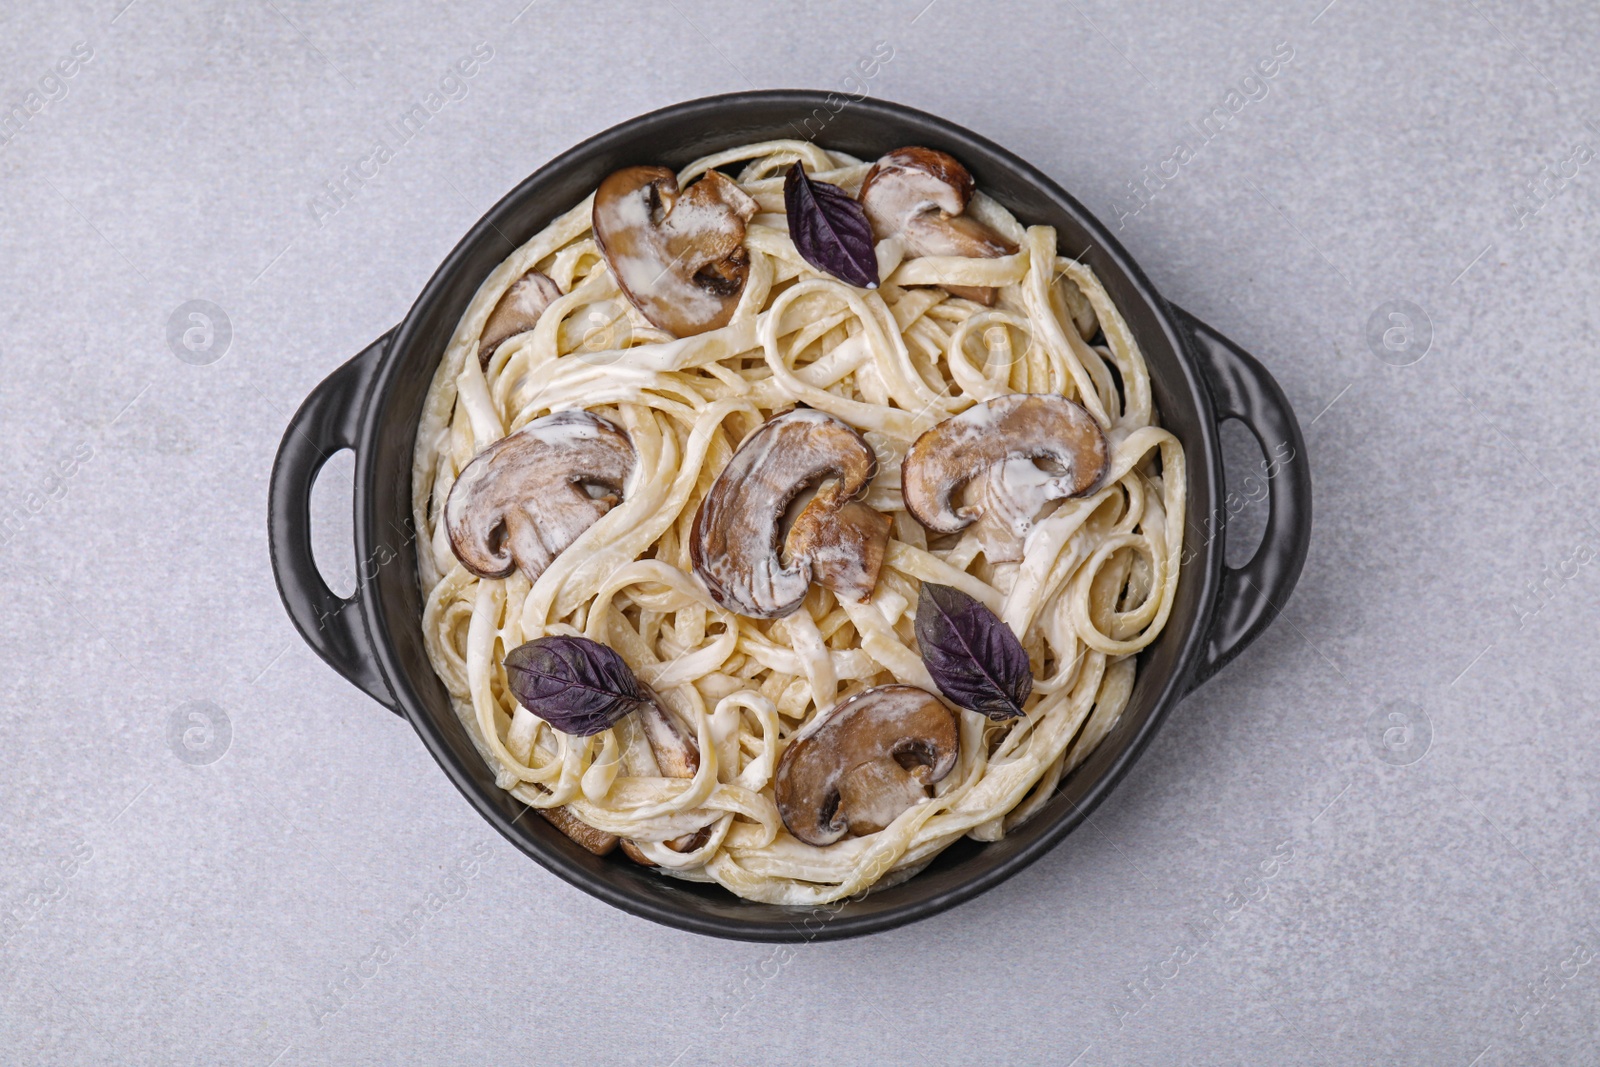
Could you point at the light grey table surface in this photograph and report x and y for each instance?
(171, 898)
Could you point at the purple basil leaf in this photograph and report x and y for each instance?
(830, 230)
(974, 658)
(577, 685)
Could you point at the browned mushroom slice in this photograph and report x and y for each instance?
(528, 496)
(517, 312)
(675, 751)
(918, 195)
(677, 756)
(1007, 458)
(631, 849)
(685, 843)
(597, 841)
(869, 761)
(678, 257)
(834, 540)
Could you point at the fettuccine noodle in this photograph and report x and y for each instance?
(1095, 585)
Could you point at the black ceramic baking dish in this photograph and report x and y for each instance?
(371, 405)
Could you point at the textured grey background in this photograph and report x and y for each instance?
(191, 898)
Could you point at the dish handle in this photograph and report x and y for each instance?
(1252, 595)
(327, 422)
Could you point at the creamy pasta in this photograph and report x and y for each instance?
(1094, 585)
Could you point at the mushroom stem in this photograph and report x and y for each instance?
(677, 756)
(845, 546)
(676, 753)
(876, 792)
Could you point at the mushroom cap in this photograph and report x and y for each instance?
(835, 540)
(919, 194)
(868, 761)
(517, 312)
(524, 498)
(678, 257)
(911, 181)
(992, 450)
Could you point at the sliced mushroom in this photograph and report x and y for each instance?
(1006, 458)
(597, 841)
(835, 540)
(683, 843)
(918, 195)
(528, 496)
(517, 312)
(690, 842)
(631, 849)
(676, 756)
(869, 761)
(678, 257)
